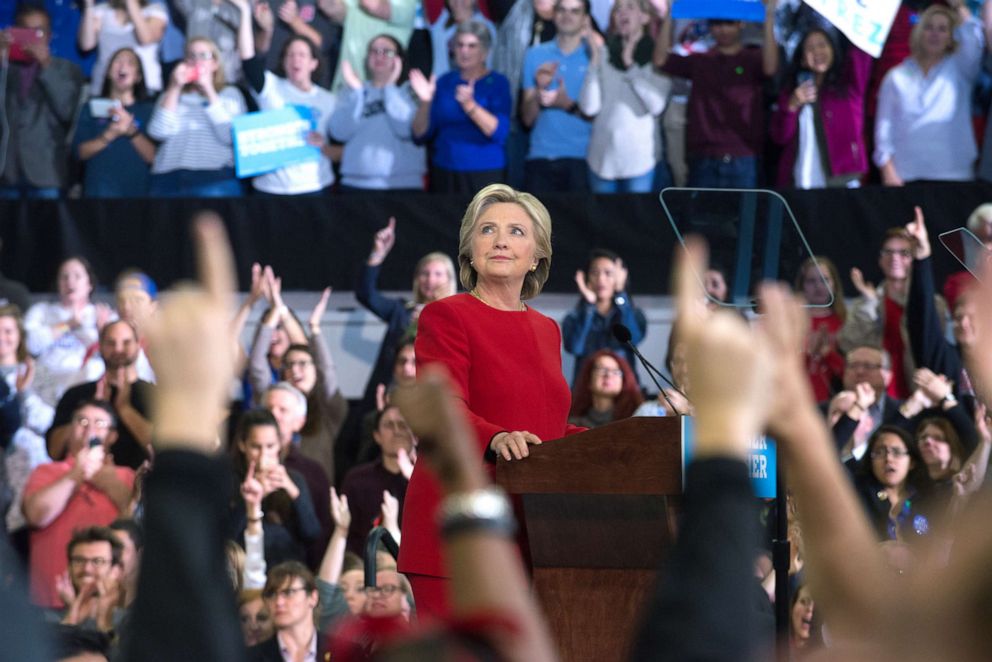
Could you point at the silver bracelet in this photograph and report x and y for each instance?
(487, 509)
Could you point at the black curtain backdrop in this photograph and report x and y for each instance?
(313, 242)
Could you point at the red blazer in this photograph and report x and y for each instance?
(506, 367)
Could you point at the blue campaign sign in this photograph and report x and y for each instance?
(762, 460)
(737, 10)
(272, 139)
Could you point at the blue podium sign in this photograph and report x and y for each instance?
(272, 139)
(762, 460)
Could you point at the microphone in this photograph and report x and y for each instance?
(623, 336)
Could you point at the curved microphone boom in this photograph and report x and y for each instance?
(623, 335)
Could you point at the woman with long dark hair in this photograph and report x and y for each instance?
(820, 116)
(135, 24)
(117, 152)
(891, 479)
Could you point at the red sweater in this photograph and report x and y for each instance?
(506, 366)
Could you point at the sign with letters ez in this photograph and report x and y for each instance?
(865, 22)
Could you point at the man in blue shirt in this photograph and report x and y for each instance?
(553, 75)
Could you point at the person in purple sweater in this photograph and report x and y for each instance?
(726, 118)
(820, 116)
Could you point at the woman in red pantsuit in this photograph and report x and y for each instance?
(503, 356)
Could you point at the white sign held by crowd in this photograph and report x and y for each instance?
(865, 22)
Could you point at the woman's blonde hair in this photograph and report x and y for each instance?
(449, 268)
(219, 80)
(538, 213)
(916, 36)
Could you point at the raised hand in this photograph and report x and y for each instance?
(917, 229)
(545, 74)
(622, 274)
(190, 339)
(555, 98)
(390, 510)
(277, 478)
(804, 93)
(423, 87)
(730, 368)
(383, 243)
(340, 511)
(866, 289)
(380, 397)
(445, 439)
(406, 461)
(263, 16)
(350, 78)
(465, 94)
(318, 311)
(257, 291)
(64, 588)
(289, 12)
(252, 492)
(395, 72)
(580, 282)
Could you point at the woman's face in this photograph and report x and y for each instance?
(890, 460)
(124, 71)
(261, 447)
(602, 278)
(353, 586)
(818, 53)
(802, 616)
(10, 340)
(299, 63)
(380, 58)
(256, 624)
(503, 246)
(937, 34)
(74, 282)
(405, 366)
(299, 370)
(607, 377)
(934, 448)
(628, 17)
(201, 55)
(433, 281)
(816, 290)
(470, 56)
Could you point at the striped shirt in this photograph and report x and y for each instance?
(196, 135)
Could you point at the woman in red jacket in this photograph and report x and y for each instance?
(820, 116)
(503, 356)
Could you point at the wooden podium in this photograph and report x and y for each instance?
(599, 517)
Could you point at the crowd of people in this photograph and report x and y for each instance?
(302, 481)
(135, 98)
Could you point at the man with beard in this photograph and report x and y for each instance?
(128, 396)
